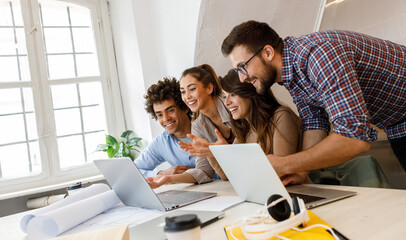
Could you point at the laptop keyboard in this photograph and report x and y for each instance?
(306, 198)
(176, 197)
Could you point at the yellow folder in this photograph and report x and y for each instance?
(311, 234)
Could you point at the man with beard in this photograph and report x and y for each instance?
(346, 78)
(164, 103)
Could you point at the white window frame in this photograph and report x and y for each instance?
(40, 85)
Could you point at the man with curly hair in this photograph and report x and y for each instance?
(164, 103)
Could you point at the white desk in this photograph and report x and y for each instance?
(371, 214)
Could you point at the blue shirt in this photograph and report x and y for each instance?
(351, 79)
(164, 148)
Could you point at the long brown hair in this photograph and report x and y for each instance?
(206, 75)
(260, 114)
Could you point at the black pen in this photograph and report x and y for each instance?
(339, 235)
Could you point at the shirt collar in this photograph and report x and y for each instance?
(287, 71)
(169, 136)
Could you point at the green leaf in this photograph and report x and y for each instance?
(115, 148)
(121, 150)
(102, 147)
(131, 156)
(128, 155)
(111, 152)
(126, 134)
(134, 141)
(110, 140)
(133, 148)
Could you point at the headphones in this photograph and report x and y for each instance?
(275, 218)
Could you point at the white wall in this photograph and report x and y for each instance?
(160, 32)
(217, 18)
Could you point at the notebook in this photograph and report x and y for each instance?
(254, 178)
(126, 180)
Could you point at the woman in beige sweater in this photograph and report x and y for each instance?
(255, 119)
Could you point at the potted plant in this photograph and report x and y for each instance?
(121, 148)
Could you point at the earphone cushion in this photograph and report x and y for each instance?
(280, 211)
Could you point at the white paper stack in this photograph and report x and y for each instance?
(55, 219)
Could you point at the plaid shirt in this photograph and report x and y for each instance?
(353, 79)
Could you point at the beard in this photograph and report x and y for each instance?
(266, 78)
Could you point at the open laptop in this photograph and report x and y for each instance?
(254, 178)
(133, 190)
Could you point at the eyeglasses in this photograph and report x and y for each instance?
(241, 69)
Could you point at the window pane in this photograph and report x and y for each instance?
(8, 69)
(79, 16)
(92, 140)
(14, 161)
(7, 41)
(93, 119)
(58, 40)
(91, 93)
(28, 100)
(5, 14)
(31, 126)
(10, 101)
(12, 129)
(71, 152)
(35, 158)
(84, 40)
(53, 13)
(18, 18)
(21, 43)
(67, 122)
(61, 66)
(87, 65)
(64, 96)
(25, 69)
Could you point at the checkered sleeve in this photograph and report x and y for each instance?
(331, 69)
(312, 117)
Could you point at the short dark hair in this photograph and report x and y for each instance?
(253, 35)
(165, 89)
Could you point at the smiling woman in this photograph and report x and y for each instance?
(260, 118)
(55, 59)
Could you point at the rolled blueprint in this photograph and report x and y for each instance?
(44, 201)
(82, 194)
(55, 222)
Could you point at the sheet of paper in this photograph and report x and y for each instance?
(116, 216)
(219, 203)
(114, 233)
(55, 222)
(80, 195)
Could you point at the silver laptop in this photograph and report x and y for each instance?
(133, 190)
(254, 178)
